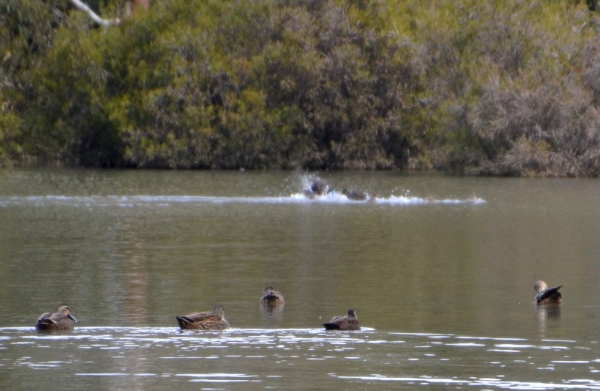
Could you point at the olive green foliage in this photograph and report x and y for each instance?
(27, 30)
(486, 88)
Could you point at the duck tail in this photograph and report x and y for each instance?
(183, 322)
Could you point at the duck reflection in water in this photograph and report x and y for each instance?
(545, 295)
(544, 313)
(214, 320)
(547, 317)
(346, 322)
(59, 320)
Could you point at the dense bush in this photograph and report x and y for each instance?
(472, 87)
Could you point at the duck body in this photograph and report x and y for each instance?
(214, 320)
(59, 320)
(271, 297)
(316, 188)
(355, 195)
(545, 295)
(345, 322)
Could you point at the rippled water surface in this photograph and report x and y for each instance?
(440, 271)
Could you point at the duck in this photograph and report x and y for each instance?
(214, 320)
(346, 322)
(545, 295)
(271, 297)
(316, 188)
(59, 320)
(355, 195)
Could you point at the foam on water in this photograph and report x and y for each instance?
(168, 200)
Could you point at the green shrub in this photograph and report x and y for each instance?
(500, 88)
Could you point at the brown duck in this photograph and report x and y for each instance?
(271, 297)
(214, 320)
(545, 295)
(317, 188)
(346, 322)
(59, 320)
(355, 195)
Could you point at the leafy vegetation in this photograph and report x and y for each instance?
(468, 87)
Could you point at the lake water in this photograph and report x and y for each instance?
(442, 283)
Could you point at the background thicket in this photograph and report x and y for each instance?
(464, 86)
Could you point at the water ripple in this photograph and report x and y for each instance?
(489, 382)
(274, 357)
(169, 200)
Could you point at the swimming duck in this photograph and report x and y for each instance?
(545, 295)
(59, 320)
(346, 322)
(355, 195)
(214, 320)
(317, 188)
(271, 297)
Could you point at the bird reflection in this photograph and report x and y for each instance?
(272, 315)
(547, 315)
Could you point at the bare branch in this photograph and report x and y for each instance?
(82, 6)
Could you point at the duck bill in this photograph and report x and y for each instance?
(72, 318)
